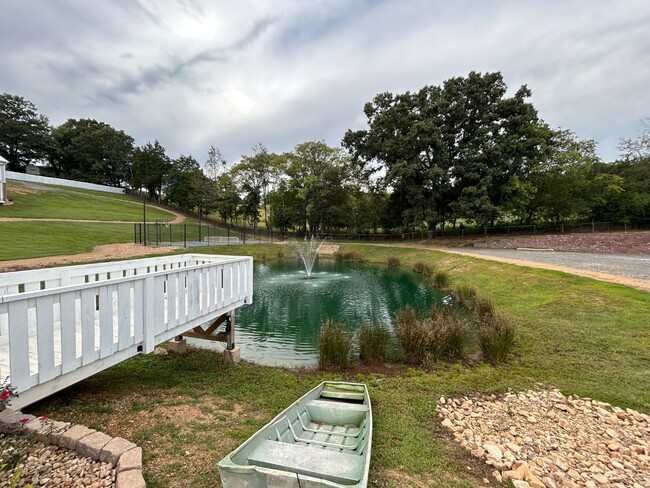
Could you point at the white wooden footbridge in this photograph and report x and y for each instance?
(61, 325)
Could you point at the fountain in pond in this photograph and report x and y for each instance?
(308, 251)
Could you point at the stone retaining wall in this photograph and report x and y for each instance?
(123, 455)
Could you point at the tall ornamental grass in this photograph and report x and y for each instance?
(373, 343)
(441, 335)
(335, 346)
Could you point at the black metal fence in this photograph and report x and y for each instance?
(189, 235)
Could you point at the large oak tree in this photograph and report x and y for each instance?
(449, 151)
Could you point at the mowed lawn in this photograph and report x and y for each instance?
(29, 239)
(584, 337)
(57, 202)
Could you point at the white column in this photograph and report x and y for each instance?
(3, 180)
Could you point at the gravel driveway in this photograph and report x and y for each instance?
(631, 266)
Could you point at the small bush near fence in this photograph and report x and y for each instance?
(373, 342)
(393, 262)
(335, 346)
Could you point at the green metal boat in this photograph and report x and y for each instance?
(322, 440)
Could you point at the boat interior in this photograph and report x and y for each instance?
(324, 435)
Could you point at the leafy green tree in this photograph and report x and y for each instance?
(637, 148)
(88, 150)
(318, 174)
(180, 188)
(254, 175)
(284, 207)
(151, 166)
(459, 143)
(24, 134)
(564, 181)
(227, 198)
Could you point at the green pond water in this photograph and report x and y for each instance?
(282, 325)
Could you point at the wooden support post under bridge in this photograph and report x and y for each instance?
(232, 353)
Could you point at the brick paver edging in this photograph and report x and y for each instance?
(125, 456)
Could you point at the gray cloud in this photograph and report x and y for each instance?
(192, 73)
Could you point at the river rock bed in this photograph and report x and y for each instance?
(50, 466)
(543, 439)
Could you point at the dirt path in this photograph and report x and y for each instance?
(622, 280)
(99, 253)
(178, 218)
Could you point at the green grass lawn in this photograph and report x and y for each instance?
(28, 239)
(74, 203)
(585, 337)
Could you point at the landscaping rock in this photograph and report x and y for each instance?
(542, 439)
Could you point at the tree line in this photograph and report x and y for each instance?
(464, 152)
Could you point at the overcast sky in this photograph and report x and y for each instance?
(195, 73)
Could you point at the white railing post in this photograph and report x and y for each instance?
(148, 332)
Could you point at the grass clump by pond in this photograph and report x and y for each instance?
(496, 335)
(335, 346)
(349, 256)
(423, 268)
(441, 335)
(373, 343)
(393, 261)
(441, 279)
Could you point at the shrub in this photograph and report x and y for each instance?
(465, 293)
(393, 262)
(496, 334)
(452, 333)
(335, 346)
(441, 279)
(353, 256)
(281, 254)
(422, 268)
(442, 335)
(373, 341)
(338, 256)
(482, 306)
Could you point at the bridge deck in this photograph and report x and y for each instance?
(61, 325)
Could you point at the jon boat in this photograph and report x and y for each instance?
(323, 439)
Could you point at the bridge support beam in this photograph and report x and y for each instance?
(232, 354)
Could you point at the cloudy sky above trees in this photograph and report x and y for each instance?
(195, 73)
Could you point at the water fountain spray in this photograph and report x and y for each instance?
(308, 251)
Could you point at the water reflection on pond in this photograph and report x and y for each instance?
(282, 325)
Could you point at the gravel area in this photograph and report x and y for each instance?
(632, 266)
(542, 439)
(50, 466)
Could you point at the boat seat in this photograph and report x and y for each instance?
(333, 466)
(336, 413)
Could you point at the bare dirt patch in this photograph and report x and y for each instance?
(99, 253)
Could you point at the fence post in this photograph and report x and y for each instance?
(184, 235)
(228, 241)
(170, 234)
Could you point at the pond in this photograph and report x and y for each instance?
(282, 325)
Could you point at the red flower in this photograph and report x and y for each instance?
(43, 417)
(4, 395)
(24, 421)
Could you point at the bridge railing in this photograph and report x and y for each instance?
(60, 325)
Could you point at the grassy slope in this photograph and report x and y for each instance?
(74, 203)
(585, 337)
(20, 240)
